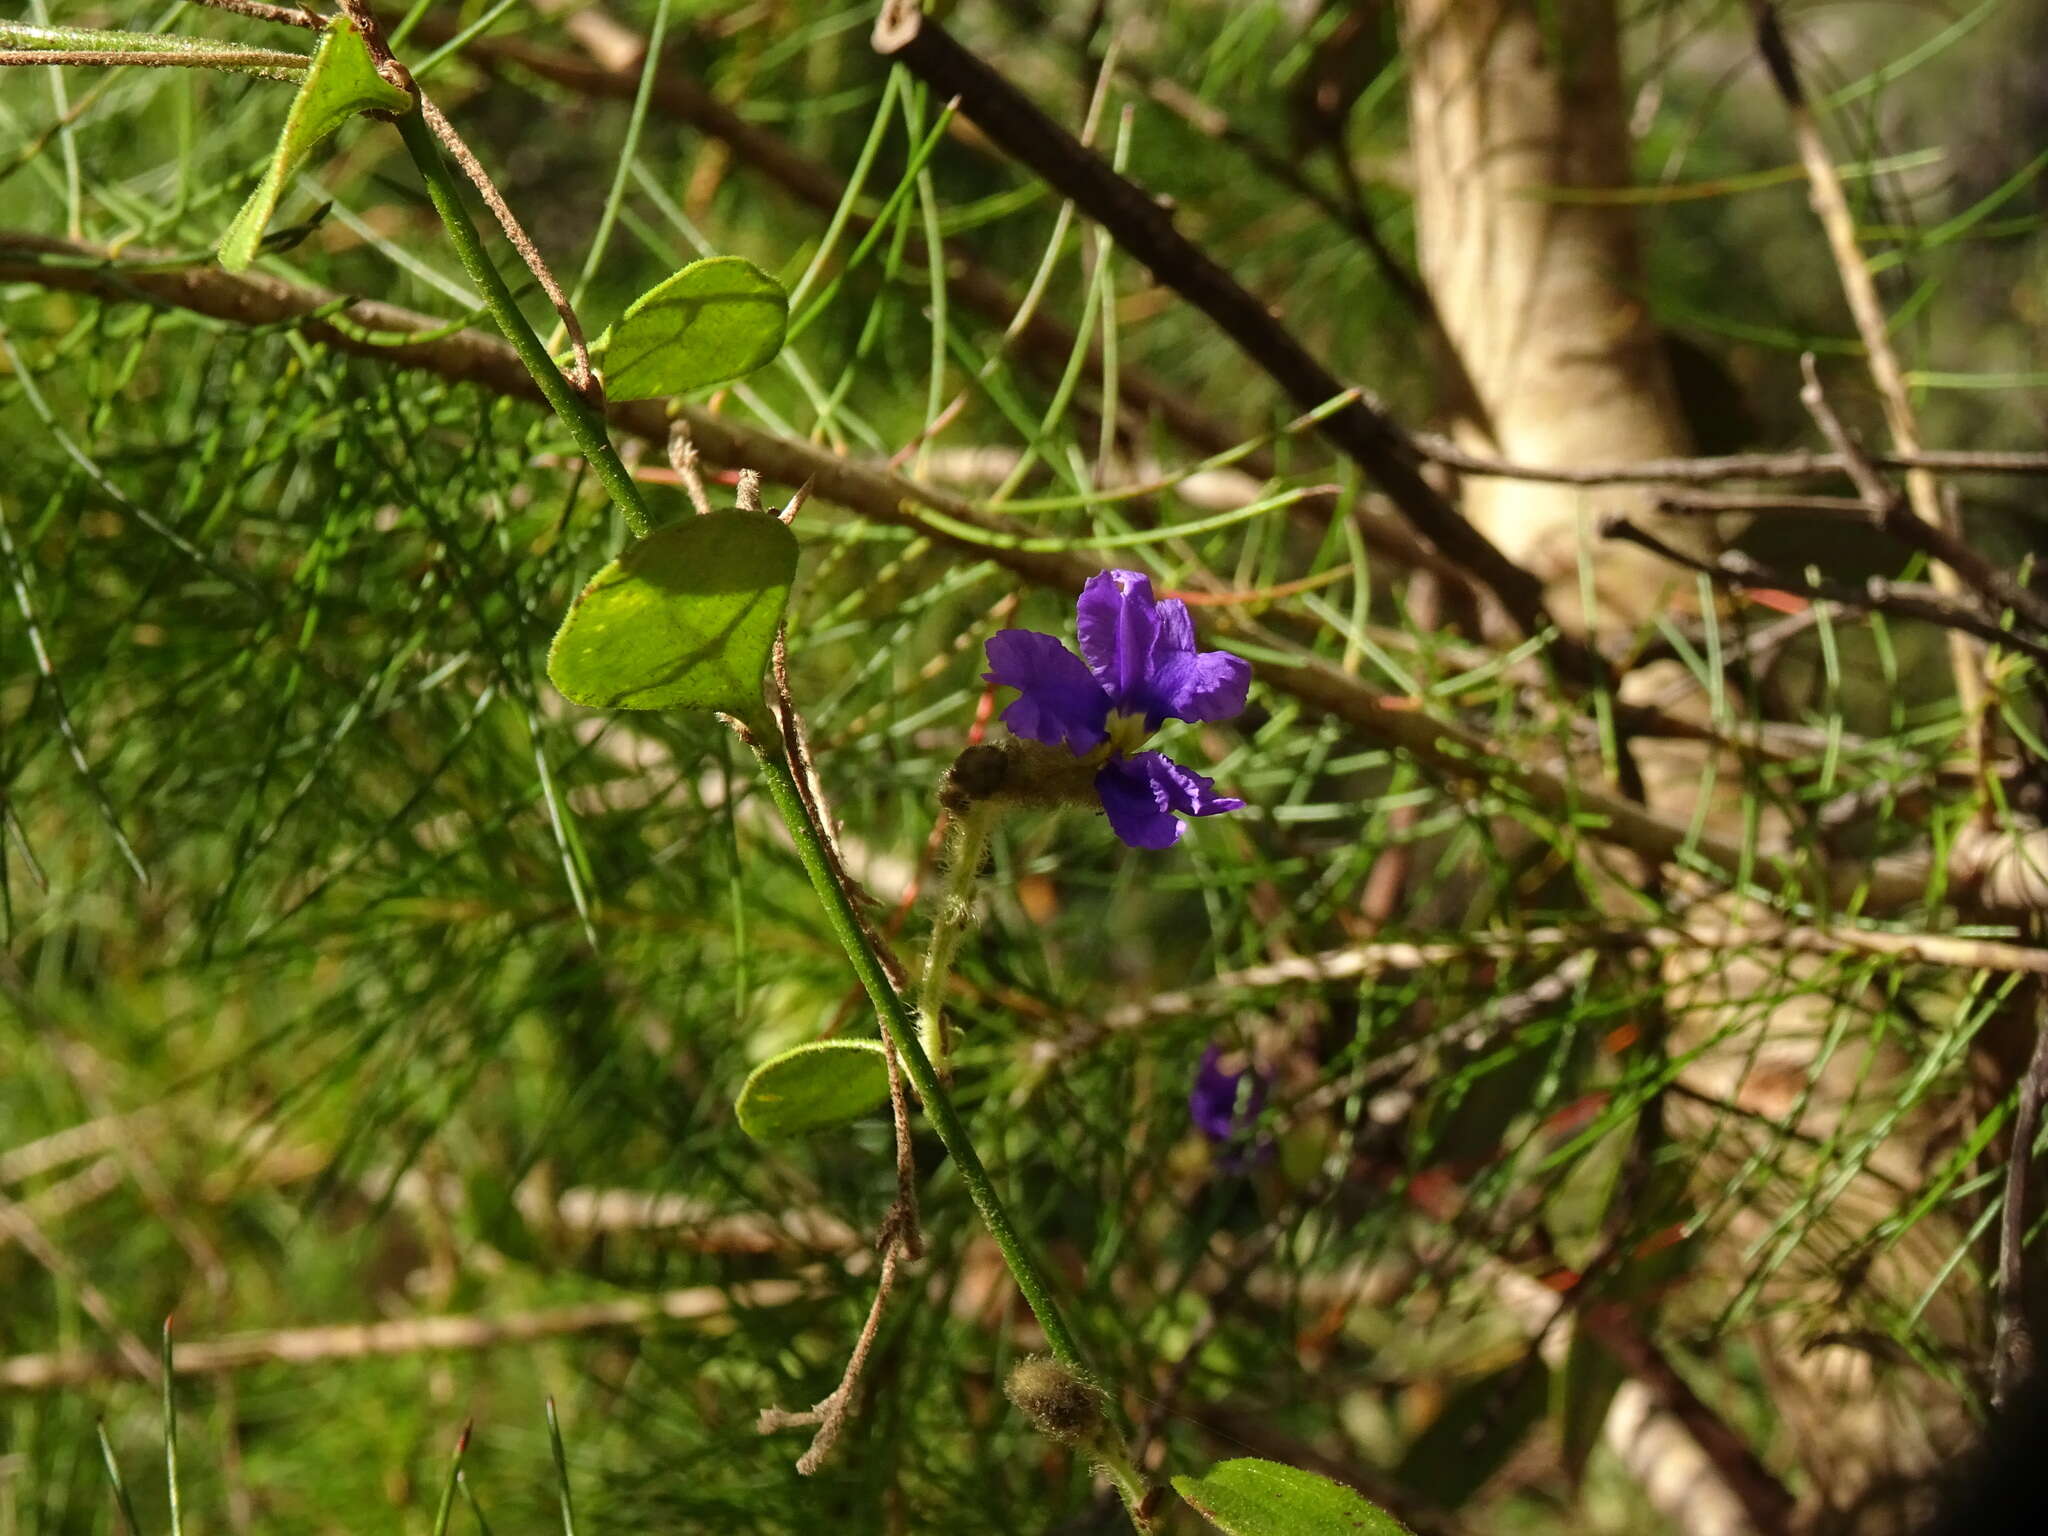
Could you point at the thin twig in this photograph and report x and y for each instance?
(832, 1412)
(257, 10)
(2013, 1351)
(1838, 223)
(1892, 515)
(396, 1336)
(1329, 967)
(25, 1230)
(1799, 464)
(1726, 503)
(264, 63)
(1877, 595)
(583, 376)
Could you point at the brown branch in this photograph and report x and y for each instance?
(1141, 226)
(1877, 595)
(1333, 966)
(1838, 223)
(1799, 464)
(1893, 515)
(2012, 1360)
(257, 10)
(396, 1336)
(1725, 503)
(1455, 754)
(832, 1412)
(1762, 1495)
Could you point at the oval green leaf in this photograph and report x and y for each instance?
(684, 619)
(342, 82)
(813, 1088)
(715, 320)
(1250, 1497)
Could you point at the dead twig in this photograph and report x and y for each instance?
(1892, 514)
(257, 10)
(1838, 223)
(1957, 615)
(1799, 464)
(396, 1336)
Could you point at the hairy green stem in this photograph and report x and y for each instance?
(956, 911)
(1114, 1462)
(938, 1106)
(584, 424)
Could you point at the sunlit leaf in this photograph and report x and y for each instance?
(813, 1088)
(684, 619)
(715, 320)
(1475, 1434)
(1250, 1497)
(1585, 1390)
(342, 82)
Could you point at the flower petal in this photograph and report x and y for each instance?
(1222, 1104)
(1136, 803)
(1059, 703)
(1186, 790)
(1141, 793)
(1198, 685)
(1119, 624)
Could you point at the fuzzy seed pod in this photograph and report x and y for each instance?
(1060, 1405)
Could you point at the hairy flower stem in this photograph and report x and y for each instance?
(956, 911)
(763, 738)
(584, 424)
(1114, 1462)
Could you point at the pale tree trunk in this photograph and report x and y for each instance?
(1509, 99)
(1539, 298)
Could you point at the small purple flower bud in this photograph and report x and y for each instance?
(1225, 1106)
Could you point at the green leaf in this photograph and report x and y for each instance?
(1250, 1497)
(1476, 1433)
(342, 82)
(685, 618)
(715, 320)
(1585, 1389)
(813, 1088)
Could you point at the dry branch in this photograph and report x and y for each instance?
(398, 1336)
(1838, 222)
(1797, 464)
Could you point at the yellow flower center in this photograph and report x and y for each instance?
(1127, 733)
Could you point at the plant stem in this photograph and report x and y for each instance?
(938, 1107)
(1114, 1462)
(956, 910)
(584, 424)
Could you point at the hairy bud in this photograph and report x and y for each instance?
(1018, 772)
(1059, 1403)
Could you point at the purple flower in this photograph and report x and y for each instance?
(1141, 669)
(1225, 1106)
